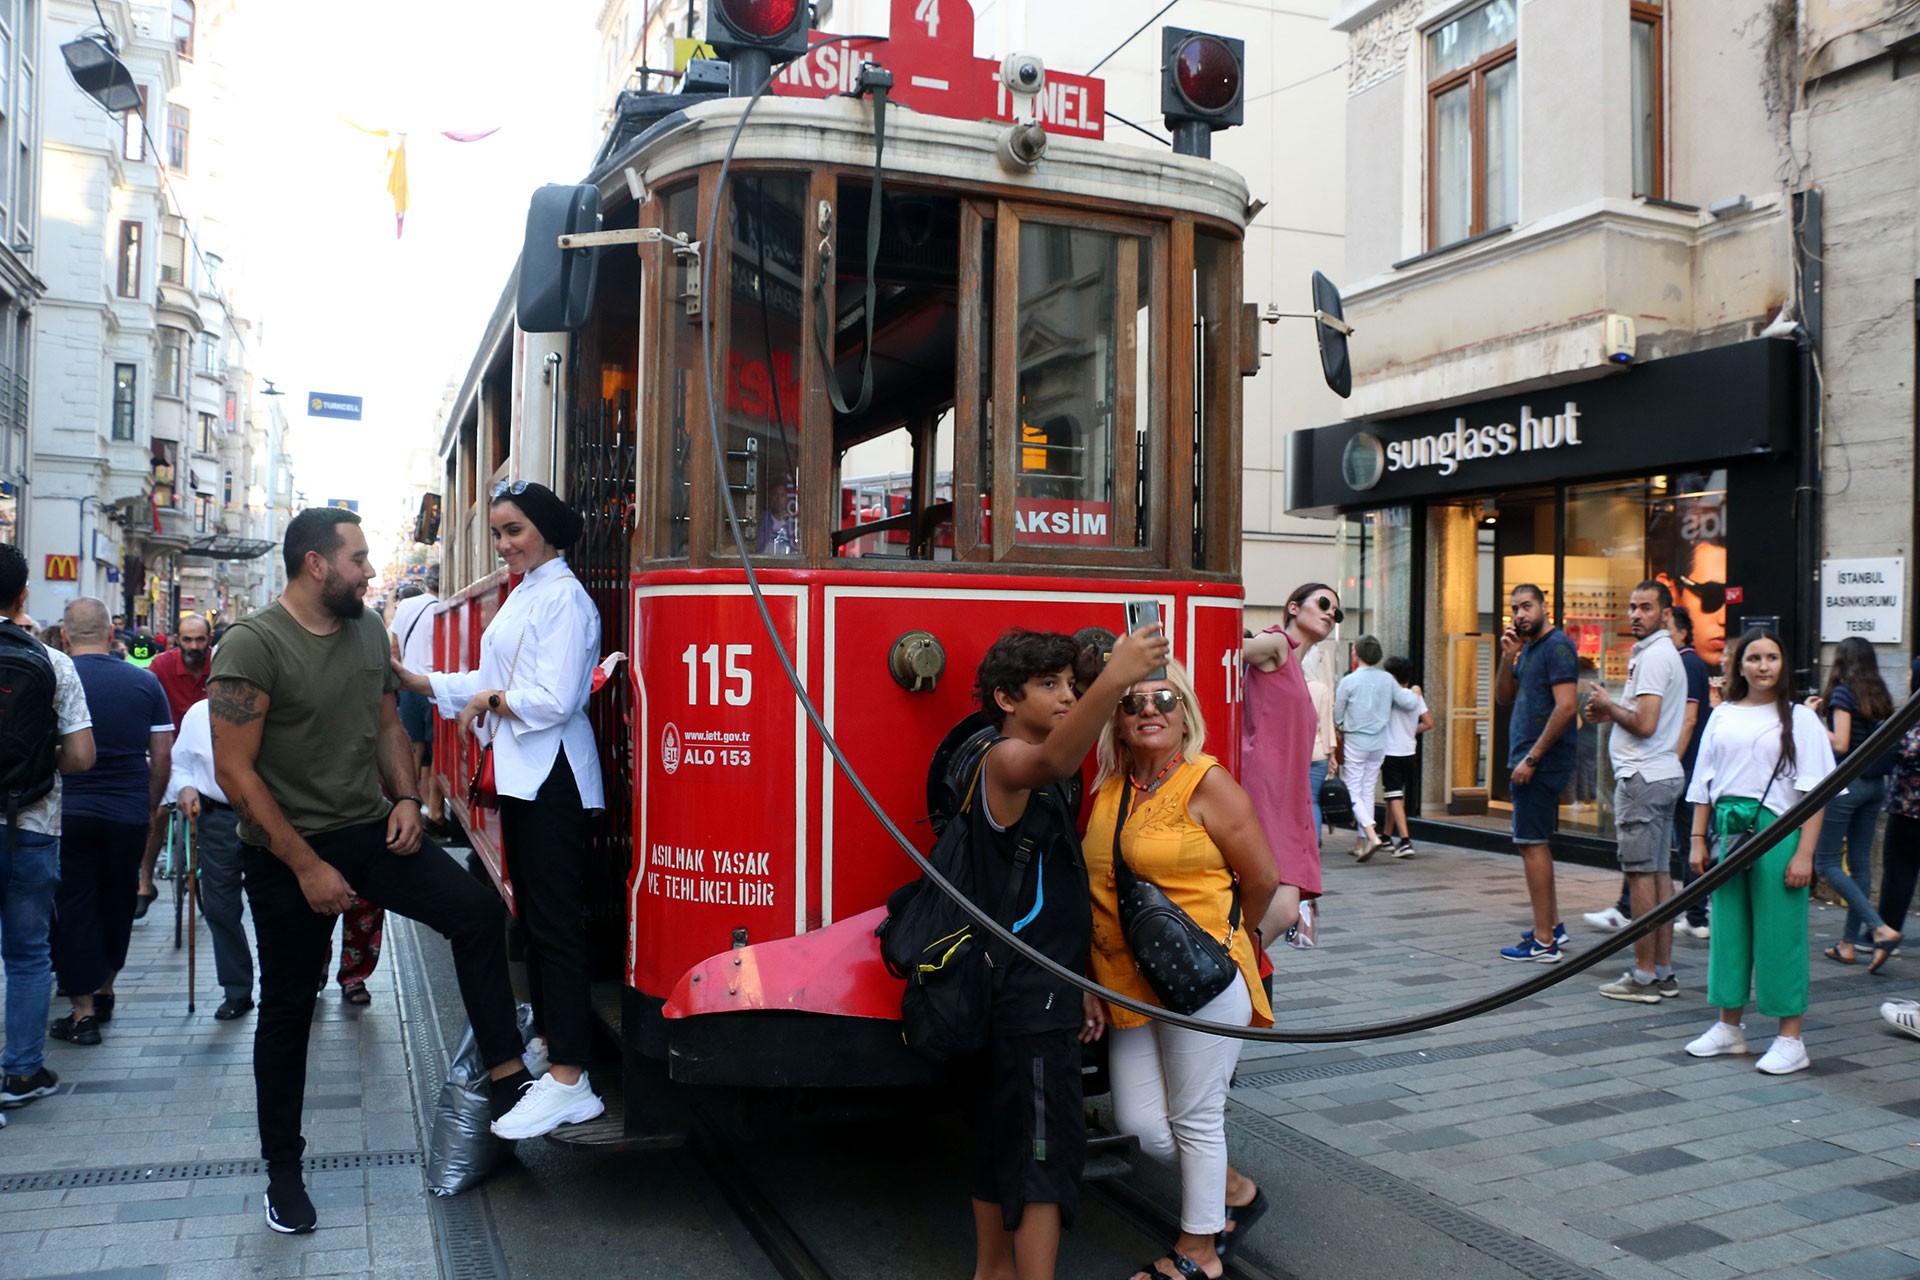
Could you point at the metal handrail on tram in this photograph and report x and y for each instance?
(1747, 853)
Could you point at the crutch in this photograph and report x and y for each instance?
(193, 898)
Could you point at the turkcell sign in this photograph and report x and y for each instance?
(1447, 450)
(325, 404)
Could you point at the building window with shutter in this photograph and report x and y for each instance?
(1649, 101)
(1473, 124)
(124, 383)
(179, 124)
(132, 236)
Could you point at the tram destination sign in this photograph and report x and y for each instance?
(1706, 406)
(1865, 598)
(930, 53)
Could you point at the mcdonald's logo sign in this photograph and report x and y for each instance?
(63, 568)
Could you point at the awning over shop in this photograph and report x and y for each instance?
(225, 546)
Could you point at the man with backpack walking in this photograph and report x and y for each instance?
(45, 731)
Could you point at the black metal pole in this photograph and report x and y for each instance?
(1809, 268)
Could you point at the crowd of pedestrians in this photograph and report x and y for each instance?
(297, 745)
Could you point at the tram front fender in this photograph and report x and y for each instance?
(833, 970)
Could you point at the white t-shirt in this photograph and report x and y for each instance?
(70, 713)
(413, 624)
(1655, 668)
(1741, 747)
(1404, 727)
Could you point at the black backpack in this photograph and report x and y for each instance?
(948, 961)
(28, 726)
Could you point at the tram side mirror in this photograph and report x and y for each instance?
(1330, 323)
(556, 285)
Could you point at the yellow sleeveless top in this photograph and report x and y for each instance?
(1162, 843)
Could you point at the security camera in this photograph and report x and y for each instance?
(1024, 74)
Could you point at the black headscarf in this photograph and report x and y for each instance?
(557, 522)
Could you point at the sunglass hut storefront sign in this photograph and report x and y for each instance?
(1368, 458)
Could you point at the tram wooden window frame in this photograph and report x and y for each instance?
(1011, 216)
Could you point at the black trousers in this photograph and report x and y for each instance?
(93, 909)
(546, 843)
(1899, 868)
(427, 886)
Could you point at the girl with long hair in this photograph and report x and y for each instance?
(1192, 831)
(1853, 703)
(1760, 754)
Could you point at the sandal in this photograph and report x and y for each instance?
(355, 993)
(1241, 1218)
(1184, 1268)
(1833, 953)
(1883, 952)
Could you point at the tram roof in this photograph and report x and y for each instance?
(810, 132)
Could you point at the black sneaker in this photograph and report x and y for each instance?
(18, 1091)
(76, 1030)
(290, 1210)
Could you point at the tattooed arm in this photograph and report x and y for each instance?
(237, 711)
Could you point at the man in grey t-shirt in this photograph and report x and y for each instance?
(1649, 725)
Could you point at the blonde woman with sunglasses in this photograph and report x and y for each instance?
(1192, 831)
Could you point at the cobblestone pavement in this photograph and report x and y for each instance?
(1576, 1122)
(1566, 1135)
(145, 1165)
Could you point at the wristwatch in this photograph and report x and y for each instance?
(1532, 762)
(418, 803)
(493, 701)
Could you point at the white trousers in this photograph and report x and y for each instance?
(1170, 1091)
(1361, 773)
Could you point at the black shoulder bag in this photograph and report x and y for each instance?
(1184, 964)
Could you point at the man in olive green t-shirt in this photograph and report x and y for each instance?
(305, 730)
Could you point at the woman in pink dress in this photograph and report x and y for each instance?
(1277, 725)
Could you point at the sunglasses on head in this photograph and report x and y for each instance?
(1162, 700)
(512, 488)
(1713, 595)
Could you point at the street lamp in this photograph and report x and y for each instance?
(100, 73)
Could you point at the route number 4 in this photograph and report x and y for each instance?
(739, 691)
(927, 13)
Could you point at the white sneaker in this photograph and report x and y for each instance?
(1785, 1057)
(1303, 936)
(1691, 930)
(545, 1105)
(1721, 1038)
(535, 1058)
(1367, 847)
(1904, 1015)
(1609, 921)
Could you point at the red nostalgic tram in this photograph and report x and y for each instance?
(1055, 345)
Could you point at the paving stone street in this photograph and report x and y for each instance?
(1565, 1135)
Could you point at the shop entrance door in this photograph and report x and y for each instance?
(1525, 551)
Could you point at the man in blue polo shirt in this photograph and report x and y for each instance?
(1539, 672)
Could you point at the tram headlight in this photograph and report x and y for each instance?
(1201, 85)
(774, 27)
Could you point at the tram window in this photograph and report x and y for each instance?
(760, 398)
(678, 377)
(1082, 333)
(888, 483)
(1213, 386)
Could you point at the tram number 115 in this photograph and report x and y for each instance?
(739, 679)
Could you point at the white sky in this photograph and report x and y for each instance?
(347, 307)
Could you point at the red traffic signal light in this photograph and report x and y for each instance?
(777, 27)
(1201, 79)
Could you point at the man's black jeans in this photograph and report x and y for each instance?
(427, 886)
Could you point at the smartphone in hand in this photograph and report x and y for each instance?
(1144, 613)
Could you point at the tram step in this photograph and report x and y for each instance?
(1111, 1155)
(609, 1132)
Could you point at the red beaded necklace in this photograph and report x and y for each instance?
(1151, 787)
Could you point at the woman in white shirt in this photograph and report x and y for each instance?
(537, 658)
(1761, 752)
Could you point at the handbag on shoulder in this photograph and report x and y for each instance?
(1184, 964)
(481, 791)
